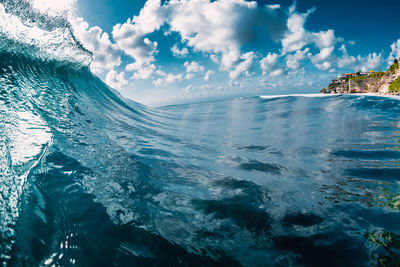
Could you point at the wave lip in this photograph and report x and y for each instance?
(27, 33)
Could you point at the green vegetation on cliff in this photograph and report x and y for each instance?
(394, 67)
(365, 82)
(395, 86)
(377, 75)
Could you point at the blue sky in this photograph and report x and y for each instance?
(167, 52)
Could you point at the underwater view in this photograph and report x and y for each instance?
(91, 178)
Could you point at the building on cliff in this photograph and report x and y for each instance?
(367, 82)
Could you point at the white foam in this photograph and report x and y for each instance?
(380, 95)
(325, 95)
(302, 95)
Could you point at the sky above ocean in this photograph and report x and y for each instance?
(167, 52)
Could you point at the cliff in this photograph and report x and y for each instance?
(375, 82)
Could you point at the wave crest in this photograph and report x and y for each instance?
(28, 32)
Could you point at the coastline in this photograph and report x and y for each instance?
(371, 82)
(392, 95)
(380, 94)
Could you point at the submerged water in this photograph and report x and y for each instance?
(90, 179)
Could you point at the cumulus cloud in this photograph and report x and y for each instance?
(215, 59)
(293, 60)
(179, 52)
(370, 62)
(160, 73)
(269, 65)
(168, 79)
(274, 6)
(222, 27)
(143, 70)
(218, 28)
(116, 80)
(345, 60)
(297, 38)
(106, 55)
(395, 53)
(193, 67)
(189, 76)
(131, 36)
(208, 74)
(277, 72)
(244, 66)
(325, 41)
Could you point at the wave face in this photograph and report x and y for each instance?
(90, 179)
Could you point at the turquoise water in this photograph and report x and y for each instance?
(91, 179)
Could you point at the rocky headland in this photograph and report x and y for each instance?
(367, 82)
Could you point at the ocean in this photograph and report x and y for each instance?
(88, 178)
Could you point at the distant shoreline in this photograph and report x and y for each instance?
(393, 95)
(368, 94)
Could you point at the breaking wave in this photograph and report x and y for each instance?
(90, 179)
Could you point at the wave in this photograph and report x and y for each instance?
(25, 31)
(90, 178)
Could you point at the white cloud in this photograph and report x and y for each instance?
(214, 58)
(322, 59)
(276, 73)
(296, 37)
(188, 89)
(345, 60)
(269, 65)
(275, 6)
(221, 27)
(106, 55)
(371, 62)
(179, 52)
(293, 60)
(160, 73)
(324, 39)
(115, 80)
(143, 70)
(168, 79)
(134, 44)
(244, 66)
(208, 74)
(131, 37)
(189, 76)
(324, 65)
(193, 67)
(269, 62)
(395, 53)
